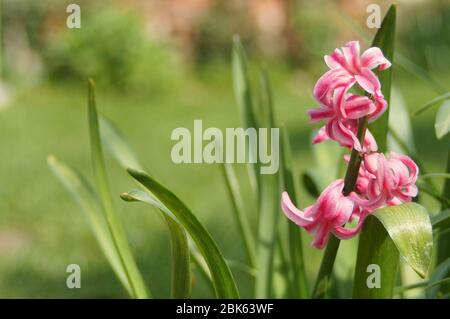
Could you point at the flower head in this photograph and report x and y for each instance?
(385, 181)
(328, 215)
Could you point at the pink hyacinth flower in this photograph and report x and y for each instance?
(360, 67)
(388, 181)
(327, 216)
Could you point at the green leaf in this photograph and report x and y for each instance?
(442, 271)
(244, 100)
(239, 212)
(310, 185)
(168, 203)
(202, 268)
(375, 248)
(384, 39)
(84, 196)
(409, 227)
(441, 220)
(268, 199)
(444, 237)
(115, 227)
(431, 103)
(400, 126)
(181, 264)
(442, 123)
(117, 144)
(297, 259)
(120, 148)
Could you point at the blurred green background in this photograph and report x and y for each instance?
(158, 66)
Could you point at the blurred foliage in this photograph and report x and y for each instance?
(112, 48)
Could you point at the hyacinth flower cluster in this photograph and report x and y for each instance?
(382, 180)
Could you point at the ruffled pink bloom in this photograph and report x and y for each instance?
(341, 109)
(348, 62)
(385, 181)
(328, 215)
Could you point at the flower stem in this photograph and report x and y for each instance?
(326, 267)
(355, 160)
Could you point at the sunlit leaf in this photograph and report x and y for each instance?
(117, 144)
(442, 123)
(120, 148)
(409, 226)
(168, 203)
(115, 227)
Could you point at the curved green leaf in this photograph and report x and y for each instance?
(181, 264)
(84, 196)
(115, 227)
(409, 227)
(119, 147)
(165, 200)
(442, 123)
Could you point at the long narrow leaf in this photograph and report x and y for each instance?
(239, 212)
(181, 265)
(244, 100)
(115, 227)
(84, 196)
(268, 199)
(167, 202)
(384, 39)
(121, 150)
(299, 282)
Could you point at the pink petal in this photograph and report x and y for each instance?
(351, 56)
(368, 81)
(347, 233)
(321, 113)
(320, 136)
(357, 106)
(321, 236)
(292, 212)
(373, 57)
